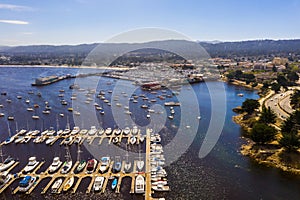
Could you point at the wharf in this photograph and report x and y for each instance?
(82, 175)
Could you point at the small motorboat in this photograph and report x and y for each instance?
(114, 183)
(108, 131)
(132, 140)
(98, 183)
(117, 167)
(26, 183)
(105, 162)
(66, 167)
(68, 184)
(56, 185)
(135, 130)
(91, 166)
(126, 131)
(80, 166)
(139, 184)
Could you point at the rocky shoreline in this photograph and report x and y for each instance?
(271, 155)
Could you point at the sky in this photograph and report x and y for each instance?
(56, 22)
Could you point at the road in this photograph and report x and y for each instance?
(280, 104)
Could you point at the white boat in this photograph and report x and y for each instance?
(35, 117)
(132, 140)
(7, 163)
(68, 163)
(55, 165)
(139, 184)
(135, 130)
(160, 188)
(50, 133)
(29, 109)
(5, 177)
(75, 130)
(100, 131)
(46, 111)
(171, 117)
(118, 131)
(98, 183)
(105, 161)
(83, 132)
(32, 164)
(68, 184)
(108, 131)
(66, 167)
(26, 139)
(26, 183)
(140, 163)
(20, 139)
(115, 140)
(126, 131)
(92, 131)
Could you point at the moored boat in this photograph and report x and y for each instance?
(68, 184)
(105, 161)
(56, 185)
(91, 166)
(98, 183)
(32, 164)
(55, 165)
(26, 183)
(7, 163)
(139, 184)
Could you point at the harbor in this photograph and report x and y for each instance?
(147, 189)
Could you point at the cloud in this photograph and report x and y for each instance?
(15, 7)
(18, 22)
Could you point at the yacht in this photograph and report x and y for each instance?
(132, 140)
(68, 163)
(5, 177)
(91, 166)
(32, 164)
(139, 184)
(98, 183)
(26, 183)
(105, 161)
(100, 131)
(118, 131)
(56, 185)
(55, 165)
(83, 132)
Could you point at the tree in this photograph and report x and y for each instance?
(290, 140)
(293, 76)
(262, 133)
(274, 68)
(295, 99)
(267, 116)
(249, 105)
(276, 87)
(282, 81)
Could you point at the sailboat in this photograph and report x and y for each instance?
(127, 164)
(68, 184)
(7, 163)
(10, 139)
(68, 163)
(140, 163)
(81, 164)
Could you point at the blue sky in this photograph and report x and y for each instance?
(24, 22)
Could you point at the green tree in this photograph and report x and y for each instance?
(293, 76)
(290, 140)
(267, 116)
(274, 68)
(281, 80)
(276, 87)
(249, 105)
(295, 99)
(262, 133)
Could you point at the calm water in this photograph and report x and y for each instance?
(223, 174)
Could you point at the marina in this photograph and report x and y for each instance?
(64, 181)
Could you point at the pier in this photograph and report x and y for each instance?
(80, 176)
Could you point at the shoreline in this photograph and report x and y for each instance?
(67, 67)
(270, 155)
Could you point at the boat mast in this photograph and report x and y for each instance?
(17, 129)
(68, 124)
(68, 154)
(9, 133)
(57, 123)
(1, 154)
(78, 153)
